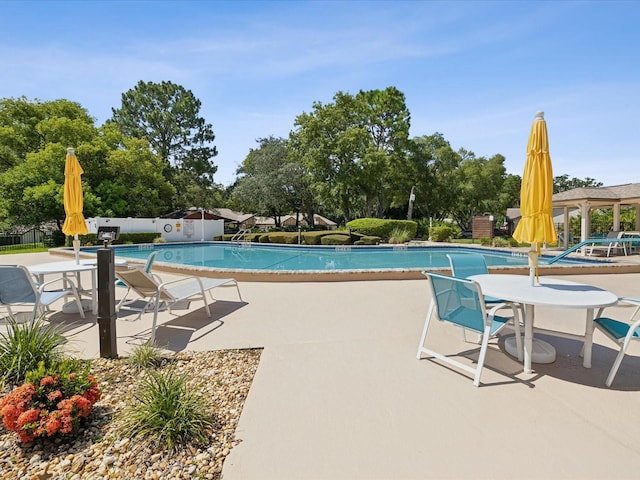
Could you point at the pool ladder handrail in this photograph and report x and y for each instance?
(237, 237)
(591, 241)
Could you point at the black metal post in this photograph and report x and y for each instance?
(107, 303)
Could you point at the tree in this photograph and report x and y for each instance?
(167, 116)
(481, 181)
(270, 183)
(433, 170)
(122, 177)
(562, 183)
(28, 126)
(352, 148)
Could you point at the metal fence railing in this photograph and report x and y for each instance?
(33, 238)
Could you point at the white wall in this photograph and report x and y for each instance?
(171, 230)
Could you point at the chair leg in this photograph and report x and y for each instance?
(616, 365)
(424, 330)
(481, 357)
(517, 310)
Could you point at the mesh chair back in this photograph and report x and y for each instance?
(464, 265)
(458, 301)
(16, 285)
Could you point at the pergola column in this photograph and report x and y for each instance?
(585, 223)
(616, 217)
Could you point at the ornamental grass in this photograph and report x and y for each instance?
(25, 345)
(166, 411)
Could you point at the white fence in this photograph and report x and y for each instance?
(171, 229)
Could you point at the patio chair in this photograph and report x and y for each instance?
(460, 302)
(464, 265)
(17, 288)
(159, 295)
(620, 332)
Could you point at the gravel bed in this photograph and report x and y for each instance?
(98, 453)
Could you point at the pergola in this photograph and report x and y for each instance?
(587, 199)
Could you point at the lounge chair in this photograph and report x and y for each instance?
(608, 247)
(620, 332)
(158, 294)
(461, 303)
(147, 268)
(17, 288)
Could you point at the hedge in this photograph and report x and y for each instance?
(336, 239)
(382, 228)
(283, 237)
(123, 238)
(367, 240)
(315, 237)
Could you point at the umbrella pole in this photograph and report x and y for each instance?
(76, 248)
(533, 265)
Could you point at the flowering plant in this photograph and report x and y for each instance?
(50, 402)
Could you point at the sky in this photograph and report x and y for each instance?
(475, 71)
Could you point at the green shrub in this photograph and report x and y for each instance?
(443, 233)
(315, 237)
(123, 239)
(24, 345)
(367, 240)
(485, 241)
(264, 238)
(53, 402)
(504, 242)
(166, 411)
(381, 227)
(336, 239)
(422, 228)
(399, 235)
(290, 238)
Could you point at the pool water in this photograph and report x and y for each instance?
(304, 258)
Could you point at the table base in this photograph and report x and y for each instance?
(72, 307)
(543, 352)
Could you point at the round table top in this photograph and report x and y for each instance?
(62, 267)
(550, 291)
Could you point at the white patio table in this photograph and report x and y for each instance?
(552, 293)
(70, 267)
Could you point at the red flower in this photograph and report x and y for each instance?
(52, 424)
(45, 409)
(30, 416)
(10, 416)
(67, 424)
(47, 381)
(54, 396)
(93, 395)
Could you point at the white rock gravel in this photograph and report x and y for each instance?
(99, 453)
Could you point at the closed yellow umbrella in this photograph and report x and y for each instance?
(536, 192)
(74, 223)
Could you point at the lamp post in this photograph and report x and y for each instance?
(107, 300)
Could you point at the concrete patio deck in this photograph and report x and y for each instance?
(339, 393)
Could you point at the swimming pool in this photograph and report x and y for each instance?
(322, 263)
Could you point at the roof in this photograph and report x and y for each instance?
(626, 194)
(228, 214)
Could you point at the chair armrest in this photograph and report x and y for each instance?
(179, 280)
(633, 302)
(60, 279)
